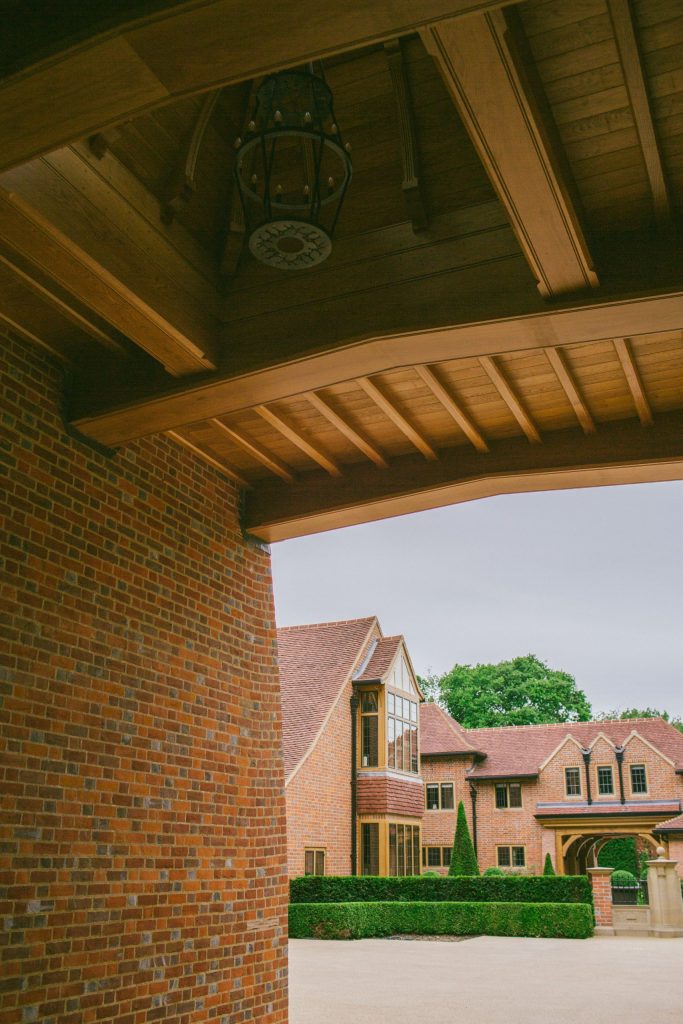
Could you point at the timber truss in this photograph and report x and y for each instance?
(503, 307)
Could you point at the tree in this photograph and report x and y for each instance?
(523, 691)
(463, 858)
(627, 713)
(548, 868)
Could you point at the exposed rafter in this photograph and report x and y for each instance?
(288, 430)
(632, 65)
(482, 68)
(205, 456)
(620, 452)
(634, 381)
(256, 451)
(558, 361)
(413, 191)
(62, 216)
(319, 402)
(513, 402)
(429, 375)
(280, 377)
(380, 398)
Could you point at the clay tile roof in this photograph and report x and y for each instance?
(520, 750)
(441, 734)
(381, 659)
(671, 825)
(315, 662)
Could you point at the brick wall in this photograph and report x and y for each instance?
(142, 846)
(438, 827)
(319, 796)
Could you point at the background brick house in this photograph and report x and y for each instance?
(562, 789)
(351, 807)
(388, 806)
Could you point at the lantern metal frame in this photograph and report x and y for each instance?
(292, 107)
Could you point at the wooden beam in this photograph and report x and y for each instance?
(429, 375)
(343, 426)
(256, 379)
(187, 48)
(205, 456)
(513, 402)
(413, 192)
(621, 452)
(63, 216)
(623, 26)
(284, 425)
(380, 398)
(482, 69)
(558, 361)
(257, 452)
(41, 284)
(634, 380)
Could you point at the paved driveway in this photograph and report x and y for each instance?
(487, 980)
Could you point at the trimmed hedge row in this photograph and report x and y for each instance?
(452, 889)
(371, 920)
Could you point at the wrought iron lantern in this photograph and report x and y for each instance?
(292, 170)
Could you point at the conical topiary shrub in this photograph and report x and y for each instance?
(463, 858)
(548, 868)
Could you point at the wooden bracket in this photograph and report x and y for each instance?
(182, 184)
(412, 186)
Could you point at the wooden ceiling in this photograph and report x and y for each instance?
(503, 306)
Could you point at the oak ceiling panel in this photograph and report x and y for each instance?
(536, 384)
(580, 70)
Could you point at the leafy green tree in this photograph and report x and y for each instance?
(548, 868)
(524, 691)
(463, 858)
(627, 713)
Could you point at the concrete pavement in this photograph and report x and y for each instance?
(487, 980)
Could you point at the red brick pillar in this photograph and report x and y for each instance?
(601, 883)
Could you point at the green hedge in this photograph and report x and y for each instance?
(458, 889)
(371, 920)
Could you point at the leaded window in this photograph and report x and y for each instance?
(638, 778)
(314, 862)
(402, 741)
(508, 794)
(439, 796)
(511, 856)
(369, 846)
(605, 780)
(572, 782)
(404, 849)
(369, 743)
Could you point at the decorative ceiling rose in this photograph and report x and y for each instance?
(292, 171)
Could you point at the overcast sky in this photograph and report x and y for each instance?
(589, 580)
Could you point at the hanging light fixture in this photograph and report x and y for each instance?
(292, 170)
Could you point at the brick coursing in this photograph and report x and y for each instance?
(142, 843)
(319, 796)
(390, 796)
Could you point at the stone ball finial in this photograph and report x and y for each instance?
(660, 852)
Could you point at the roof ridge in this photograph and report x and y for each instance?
(333, 622)
(567, 725)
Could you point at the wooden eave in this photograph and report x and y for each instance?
(503, 307)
